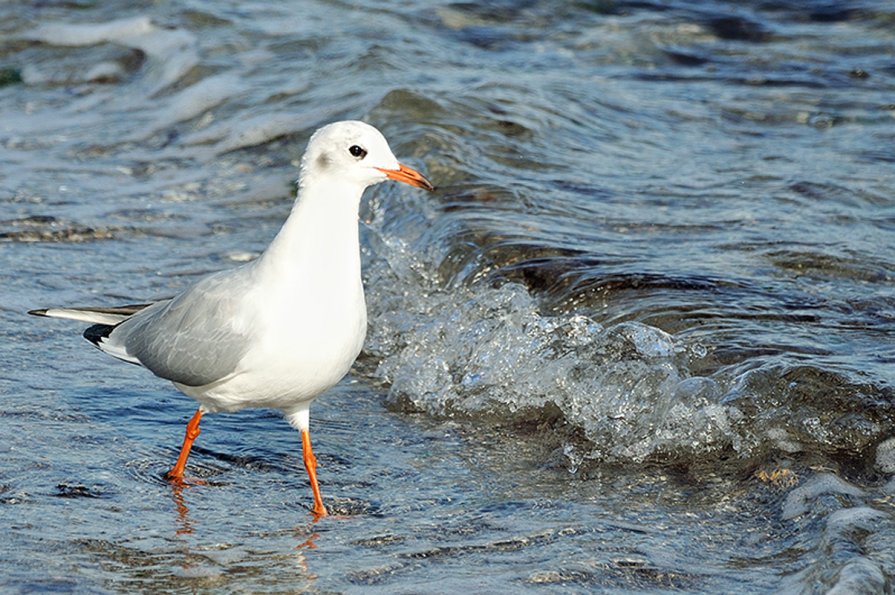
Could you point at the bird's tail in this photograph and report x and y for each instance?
(102, 316)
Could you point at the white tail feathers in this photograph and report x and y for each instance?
(93, 316)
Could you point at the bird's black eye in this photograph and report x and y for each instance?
(357, 151)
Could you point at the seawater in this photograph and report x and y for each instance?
(640, 340)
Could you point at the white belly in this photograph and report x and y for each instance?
(293, 359)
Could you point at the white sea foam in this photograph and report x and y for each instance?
(200, 97)
(171, 52)
(245, 132)
(490, 351)
(83, 34)
(189, 103)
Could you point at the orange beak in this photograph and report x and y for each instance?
(408, 175)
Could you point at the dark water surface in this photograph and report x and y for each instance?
(640, 340)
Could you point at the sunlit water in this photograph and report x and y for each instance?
(641, 338)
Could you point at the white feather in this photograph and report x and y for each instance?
(90, 316)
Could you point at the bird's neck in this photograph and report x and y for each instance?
(318, 243)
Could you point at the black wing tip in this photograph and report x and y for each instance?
(39, 312)
(96, 333)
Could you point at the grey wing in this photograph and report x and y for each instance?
(189, 339)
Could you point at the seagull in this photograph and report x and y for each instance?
(279, 330)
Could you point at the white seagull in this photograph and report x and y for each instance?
(277, 331)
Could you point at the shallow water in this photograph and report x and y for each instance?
(641, 339)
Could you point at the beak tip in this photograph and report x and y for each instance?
(408, 175)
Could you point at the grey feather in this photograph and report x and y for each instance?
(188, 339)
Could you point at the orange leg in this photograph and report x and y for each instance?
(311, 466)
(192, 430)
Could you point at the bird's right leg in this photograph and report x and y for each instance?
(310, 460)
(192, 430)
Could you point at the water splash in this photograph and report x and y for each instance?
(624, 393)
(489, 352)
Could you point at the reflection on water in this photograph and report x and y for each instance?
(183, 511)
(648, 313)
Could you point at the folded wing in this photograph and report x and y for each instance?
(194, 339)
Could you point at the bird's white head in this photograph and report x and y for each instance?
(356, 153)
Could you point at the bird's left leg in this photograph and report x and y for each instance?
(192, 431)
